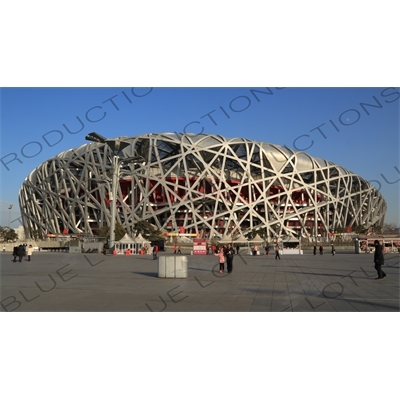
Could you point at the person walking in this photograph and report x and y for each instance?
(266, 250)
(175, 248)
(277, 255)
(229, 253)
(379, 260)
(321, 250)
(237, 249)
(20, 252)
(255, 250)
(154, 252)
(333, 250)
(315, 250)
(29, 252)
(221, 257)
(15, 253)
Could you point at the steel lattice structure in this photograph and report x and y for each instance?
(203, 184)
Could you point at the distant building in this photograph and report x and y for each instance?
(200, 185)
(20, 231)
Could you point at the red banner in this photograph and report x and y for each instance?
(199, 246)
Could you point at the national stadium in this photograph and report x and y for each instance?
(199, 185)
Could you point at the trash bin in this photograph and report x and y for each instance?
(172, 266)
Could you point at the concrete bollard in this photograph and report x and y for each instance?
(172, 266)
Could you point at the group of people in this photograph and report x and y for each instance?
(177, 250)
(21, 251)
(225, 255)
(321, 250)
(215, 249)
(379, 259)
(277, 251)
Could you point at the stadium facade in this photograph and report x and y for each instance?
(198, 184)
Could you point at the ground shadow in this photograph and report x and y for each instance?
(152, 274)
(313, 273)
(262, 290)
(200, 269)
(381, 307)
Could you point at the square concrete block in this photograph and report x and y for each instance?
(172, 266)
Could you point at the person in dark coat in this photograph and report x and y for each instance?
(20, 252)
(321, 250)
(315, 250)
(379, 260)
(229, 252)
(155, 251)
(15, 253)
(277, 256)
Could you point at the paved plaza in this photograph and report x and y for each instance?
(94, 282)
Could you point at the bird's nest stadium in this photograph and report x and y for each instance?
(197, 184)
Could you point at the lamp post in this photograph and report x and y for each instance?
(116, 145)
(9, 215)
(299, 237)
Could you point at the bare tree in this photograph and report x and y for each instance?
(389, 228)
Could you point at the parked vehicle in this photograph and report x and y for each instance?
(159, 243)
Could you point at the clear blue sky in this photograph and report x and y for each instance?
(176, 44)
(363, 139)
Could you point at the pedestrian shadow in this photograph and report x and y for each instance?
(312, 273)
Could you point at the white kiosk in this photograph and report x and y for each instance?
(124, 244)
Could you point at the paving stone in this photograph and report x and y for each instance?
(56, 282)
